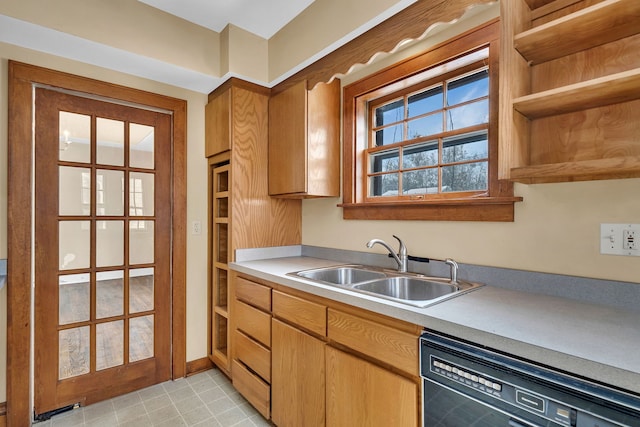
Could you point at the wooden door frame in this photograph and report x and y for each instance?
(22, 77)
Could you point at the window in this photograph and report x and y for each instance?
(421, 137)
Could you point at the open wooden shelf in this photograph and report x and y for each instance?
(611, 168)
(612, 89)
(599, 24)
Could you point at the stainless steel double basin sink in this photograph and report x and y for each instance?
(408, 288)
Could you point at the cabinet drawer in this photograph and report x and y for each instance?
(253, 293)
(254, 355)
(256, 391)
(306, 314)
(391, 346)
(253, 322)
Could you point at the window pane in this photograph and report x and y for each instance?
(386, 161)
(416, 156)
(425, 102)
(464, 148)
(74, 301)
(468, 115)
(140, 290)
(142, 146)
(109, 344)
(109, 294)
(467, 177)
(141, 242)
(109, 192)
(468, 88)
(74, 244)
(109, 142)
(109, 243)
(74, 190)
(73, 352)
(384, 185)
(389, 135)
(420, 182)
(390, 113)
(75, 137)
(424, 126)
(141, 338)
(141, 194)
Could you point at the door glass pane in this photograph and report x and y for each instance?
(141, 194)
(109, 142)
(141, 242)
(74, 244)
(109, 344)
(142, 143)
(74, 186)
(140, 338)
(73, 354)
(109, 192)
(140, 290)
(109, 243)
(73, 298)
(75, 137)
(109, 294)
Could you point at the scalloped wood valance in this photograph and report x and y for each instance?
(409, 24)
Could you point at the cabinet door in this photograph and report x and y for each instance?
(288, 140)
(217, 124)
(361, 393)
(297, 377)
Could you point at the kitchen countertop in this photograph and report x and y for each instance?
(594, 341)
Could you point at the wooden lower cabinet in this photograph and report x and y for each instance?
(297, 377)
(361, 393)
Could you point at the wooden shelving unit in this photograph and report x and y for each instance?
(241, 213)
(599, 24)
(220, 274)
(570, 88)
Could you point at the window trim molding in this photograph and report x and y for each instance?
(497, 206)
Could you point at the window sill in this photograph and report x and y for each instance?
(494, 209)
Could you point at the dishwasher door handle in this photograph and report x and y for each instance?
(514, 423)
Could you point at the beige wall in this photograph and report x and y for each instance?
(556, 228)
(196, 181)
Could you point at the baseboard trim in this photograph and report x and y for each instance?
(3, 414)
(198, 365)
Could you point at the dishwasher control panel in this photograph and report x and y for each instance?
(539, 405)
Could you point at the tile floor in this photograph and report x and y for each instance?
(205, 399)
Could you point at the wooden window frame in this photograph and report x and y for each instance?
(496, 204)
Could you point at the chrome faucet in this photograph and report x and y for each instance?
(401, 257)
(453, 267)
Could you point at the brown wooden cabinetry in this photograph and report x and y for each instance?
(304, 141)
(362, 393)
(330, 364)
(570, 87)
(241, 213)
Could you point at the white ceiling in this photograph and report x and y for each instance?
(261, 17)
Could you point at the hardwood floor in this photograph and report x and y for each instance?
(110, 345)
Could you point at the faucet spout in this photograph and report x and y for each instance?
(401, 257)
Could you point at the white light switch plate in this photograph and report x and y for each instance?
(620, 239)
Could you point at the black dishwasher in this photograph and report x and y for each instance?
(466, 385)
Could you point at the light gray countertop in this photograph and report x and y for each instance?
(594, 341)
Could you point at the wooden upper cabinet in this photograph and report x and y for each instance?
(570, 90)
(304, 141)
(217, 124)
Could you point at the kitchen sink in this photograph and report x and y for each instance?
(343, 275)
(408, 288)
